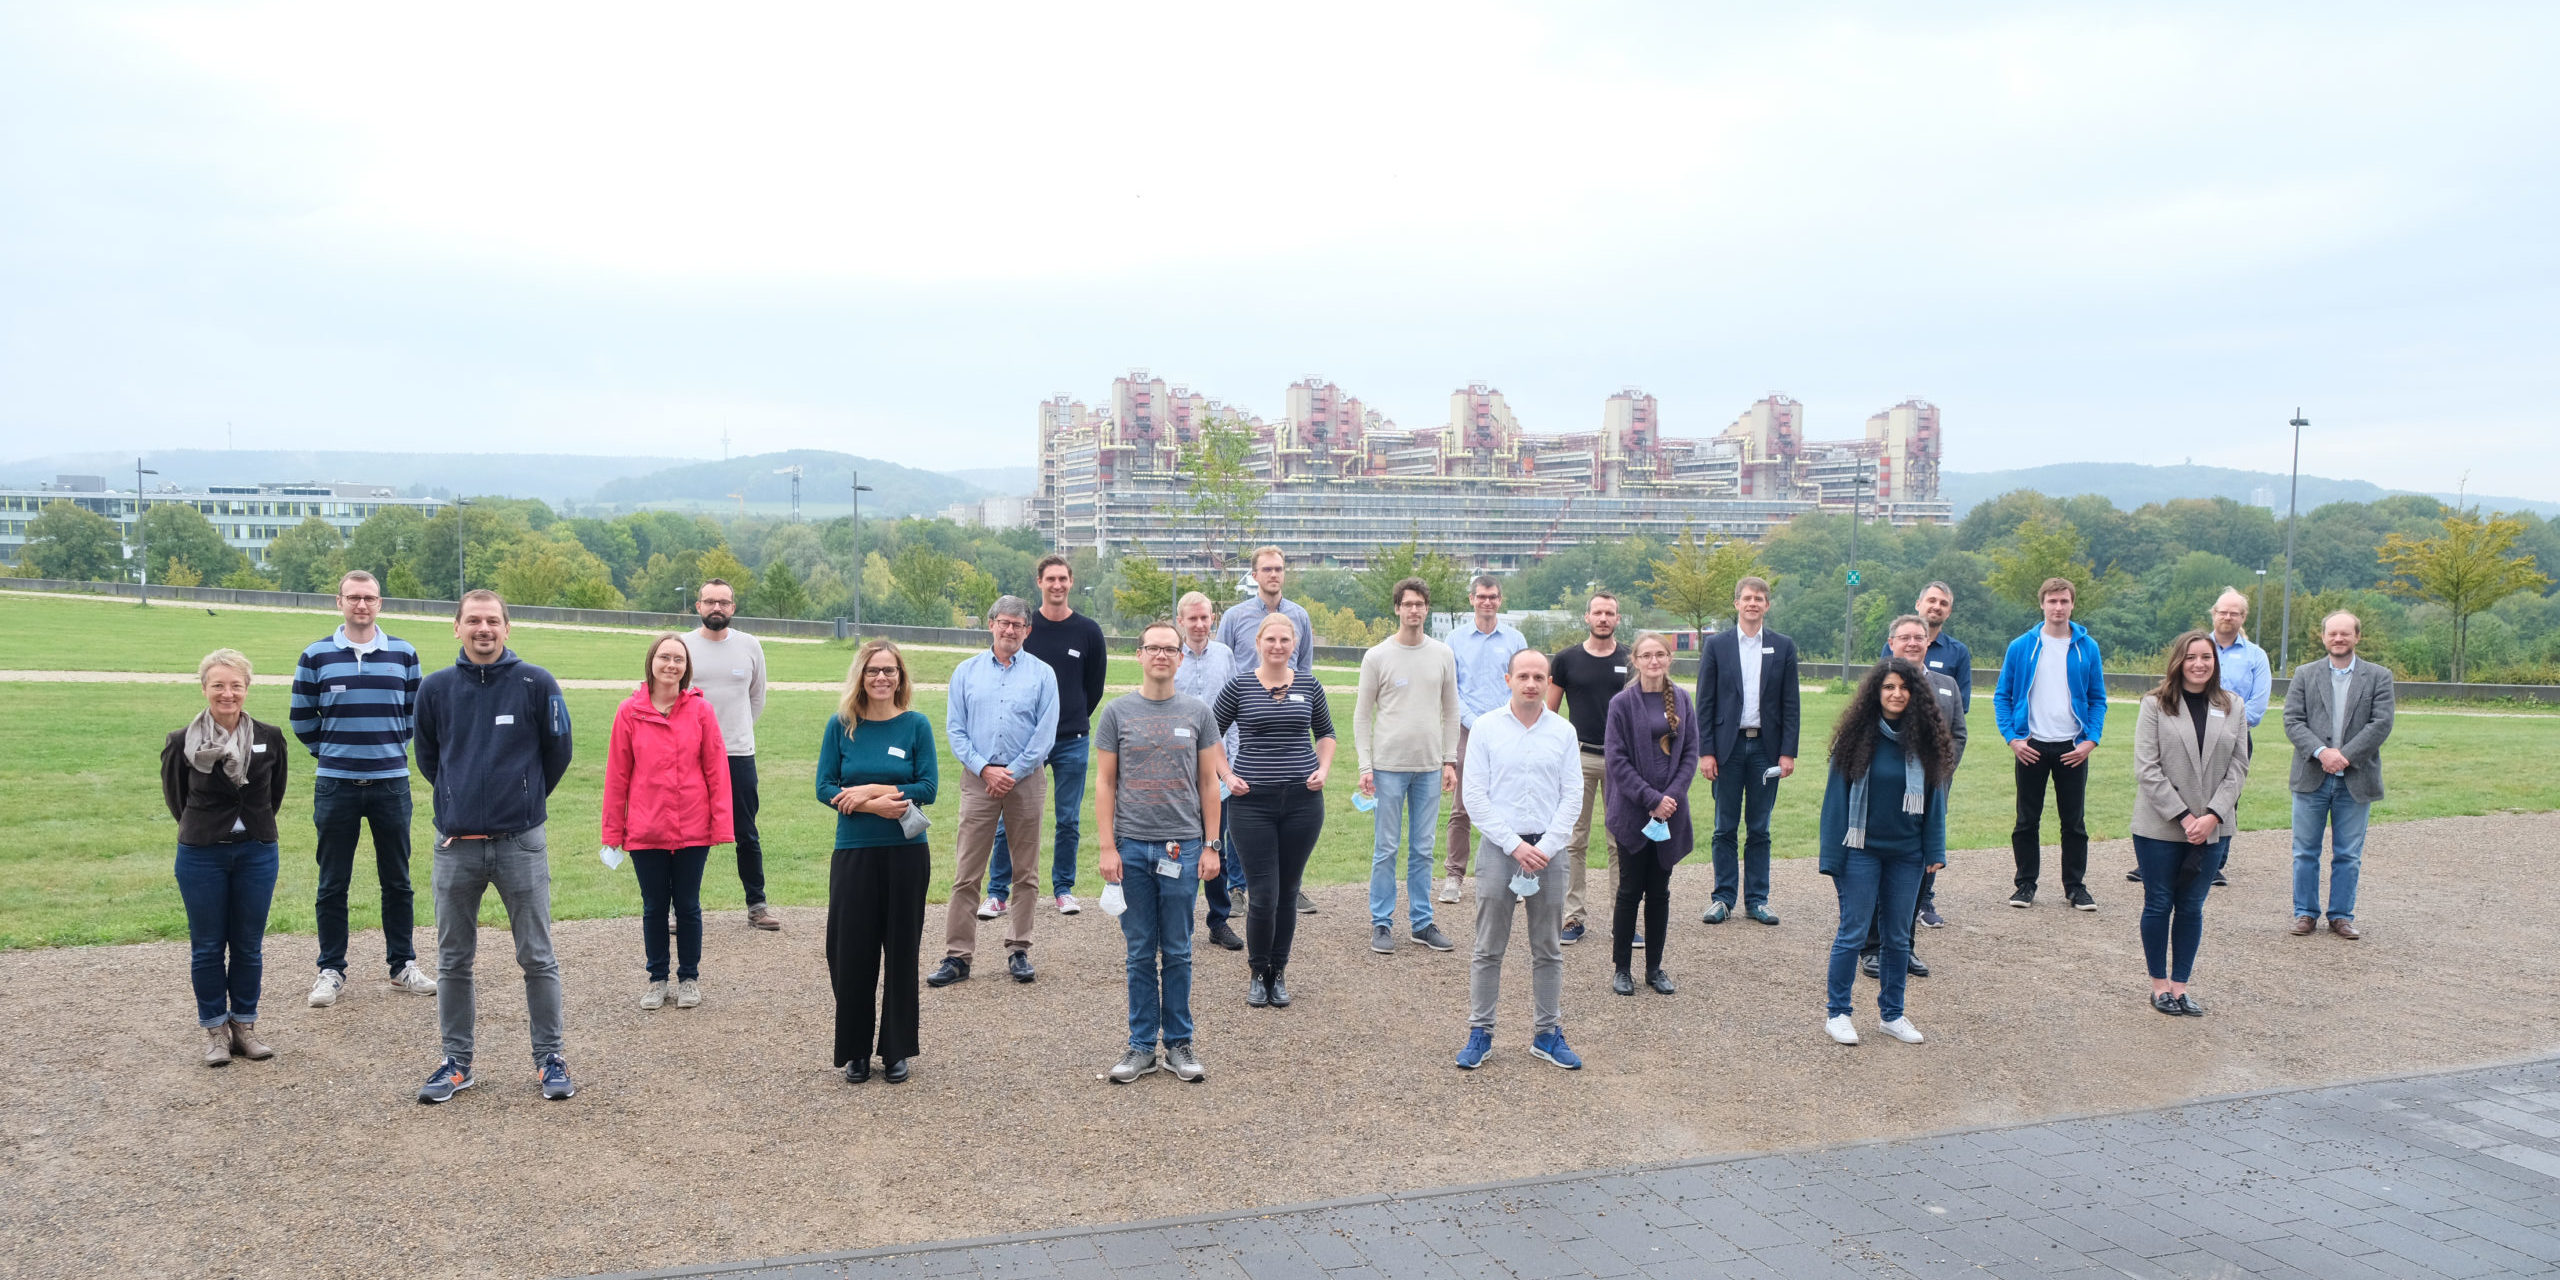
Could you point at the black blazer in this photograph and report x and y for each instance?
(205, 804)
(1719, 697)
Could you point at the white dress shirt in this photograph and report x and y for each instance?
(1749, 645)
(1523, 778)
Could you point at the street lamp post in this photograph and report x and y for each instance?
(141, 535)
(2258, 601)
(461, 552)
(1849, 611)
(2293, 498)
(859, 489)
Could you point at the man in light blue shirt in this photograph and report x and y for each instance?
(1243, 619)
(1483, 650)
(1208, 666)
(1002, 721)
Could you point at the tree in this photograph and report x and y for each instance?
(534, 572)
(310, 556)
(1696, 584)
(665, 584)
(248, 580)
(924, 579)
(2466, 569)
(177, 573)
(783, 596)
(591, 593)
(177, 531)
(388, 541)
(1442, 576)
(2044, 546)
(74, 544)
(717, 562)
(1225, 495)
(1148, 592)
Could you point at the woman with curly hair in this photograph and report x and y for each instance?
(1884, 823)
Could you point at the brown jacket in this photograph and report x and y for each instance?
(206, 804)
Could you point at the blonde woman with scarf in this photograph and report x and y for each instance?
(1884, 823)
(223, 777)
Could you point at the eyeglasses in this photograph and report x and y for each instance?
(361, 599)
(1159, 649)
(891, 672)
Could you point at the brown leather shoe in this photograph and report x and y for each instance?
(245, 1042)
(217, 1046)
(2345, 929)
(2303, 925)
(762, 917)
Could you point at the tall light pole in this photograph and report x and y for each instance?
(859, 489)
(793, 471)
(461, 552)
(1849, 619)
(141, 535)
(2284, 642)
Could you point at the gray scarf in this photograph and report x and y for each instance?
(208, 745)
(1912, 801)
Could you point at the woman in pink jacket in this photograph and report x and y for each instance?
(666, 800)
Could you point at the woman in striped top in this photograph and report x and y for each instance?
(1276, 804)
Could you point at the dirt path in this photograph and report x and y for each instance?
(721, 1133)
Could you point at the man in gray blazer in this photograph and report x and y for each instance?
(1907, 637)
(2337, 713)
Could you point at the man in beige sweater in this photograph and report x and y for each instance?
(1406, 730)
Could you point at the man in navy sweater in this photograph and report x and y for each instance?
(1072, 646)
(493, 740)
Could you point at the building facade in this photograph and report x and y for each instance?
(247, 516)
(1343, 480)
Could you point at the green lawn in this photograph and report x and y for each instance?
(87, 847)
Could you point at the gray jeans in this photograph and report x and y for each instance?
(519, 867)
(1494, 899)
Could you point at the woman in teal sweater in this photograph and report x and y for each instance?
(876, 760)
(1884, 822)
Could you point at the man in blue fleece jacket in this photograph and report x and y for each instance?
(493, 740)
(2051, 704)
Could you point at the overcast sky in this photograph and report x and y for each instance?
(2132, 233)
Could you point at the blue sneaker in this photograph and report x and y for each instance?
(451, 1077)
(1552, 1048)
(1570, 934)
(1479, 1043)
(555, 1079)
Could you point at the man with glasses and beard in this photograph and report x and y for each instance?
(728, 667)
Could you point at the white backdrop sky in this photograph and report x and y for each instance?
(2108, 232)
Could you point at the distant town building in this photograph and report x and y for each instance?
(248, 516)
(1344, 480)
(2262, 496)
(990, 513)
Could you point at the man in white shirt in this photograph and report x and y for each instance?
(1524, 788)
(1406, 730)
(2051, 706)
(728, 667)
(1482, 653)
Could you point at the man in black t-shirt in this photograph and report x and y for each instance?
(1585, 677)
(1071, 644)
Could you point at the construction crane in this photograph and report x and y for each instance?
(1553, 525)
(742, 501)
(792, 471)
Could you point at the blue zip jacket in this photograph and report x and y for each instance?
(2018, 674)
(493, 741)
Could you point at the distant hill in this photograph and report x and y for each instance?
(825, 485)
(2132, 484)
(553, 477)
(1010, 481)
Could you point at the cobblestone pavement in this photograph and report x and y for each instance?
(2443, 1175)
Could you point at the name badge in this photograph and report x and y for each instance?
(257, 746)
(337, 688)
(899, 752)
(1949, 693)
(1075, 653)
(1937, 664)
(1621, 668)
(2214, 713)
(1297, 697)
(1182, 733)
(506, 719)
(1168, 868)
(1402, 681)
(740, 672)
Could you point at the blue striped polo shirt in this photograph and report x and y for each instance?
(355, 707)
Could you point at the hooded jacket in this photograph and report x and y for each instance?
(493, 741)
(2018, 677)
(666, 776)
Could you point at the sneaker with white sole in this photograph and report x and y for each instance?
(655, 998)
(1133, 1064)
(1184, 1064)
(1430, 936)
(1067, 904)
(413, 980)
(1930, 919)
(1902, 1030)
(325, 992)
(688, 993)
(1449, 889)
(1840, 1030)
(990, 908)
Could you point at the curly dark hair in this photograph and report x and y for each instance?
(1923, 729)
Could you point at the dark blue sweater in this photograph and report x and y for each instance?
(493, 741)
(1891, 833)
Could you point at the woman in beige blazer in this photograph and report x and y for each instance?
(2190, 757)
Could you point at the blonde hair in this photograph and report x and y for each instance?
(231, 658)
(1184, 604)
(1260, 552)
(850, 707)
(1270, 620)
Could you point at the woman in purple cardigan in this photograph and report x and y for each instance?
(1651, 756)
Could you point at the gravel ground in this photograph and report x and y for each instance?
(720, 1133)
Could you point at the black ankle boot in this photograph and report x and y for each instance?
(1279, 988)
(1257, 994)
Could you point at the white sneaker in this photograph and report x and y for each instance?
(655, 998)
(989, 908)
(1840, 1029)
(1902, 1030)
(1449, 889)
(325, 992)
(688, 993)
(413, 980)
(1067, 904)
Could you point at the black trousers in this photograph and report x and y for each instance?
(875, 922)
(742, 811)
(671, 880)
(1274, 831)
(1642, 880)
(2070, 800)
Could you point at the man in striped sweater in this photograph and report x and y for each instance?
(355, 699)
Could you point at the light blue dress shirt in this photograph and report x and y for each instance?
(1484, 660)
(1242, 621)
(2246, 674)
(1003, 713)
(1201, 676)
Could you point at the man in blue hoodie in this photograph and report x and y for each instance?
(493, 740)
(2051, 704)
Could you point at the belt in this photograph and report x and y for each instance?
(1592, 749)
(1531, 837)
(1749, 732)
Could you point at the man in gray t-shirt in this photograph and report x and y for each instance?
(1156, 761)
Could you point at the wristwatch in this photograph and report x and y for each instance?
(1214, 846)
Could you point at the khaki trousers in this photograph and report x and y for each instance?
(1578, 854)
(1022, 809)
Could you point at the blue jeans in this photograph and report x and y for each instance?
(341, 809)
(2344, 816)
(1879, 891)
(1066, 797)
(1158, 927)
(2172, 909)
(1410, 801)
(227, 888)
(1227, 892)
(1738, 786)
(671, 880)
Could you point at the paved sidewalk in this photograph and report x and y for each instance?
(2447, 1175)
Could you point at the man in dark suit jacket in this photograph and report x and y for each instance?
(1748, 710)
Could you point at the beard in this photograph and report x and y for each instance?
(715, 622)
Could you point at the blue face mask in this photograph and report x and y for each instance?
(1657, 830)
(1524, 885)
(1363, 802)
